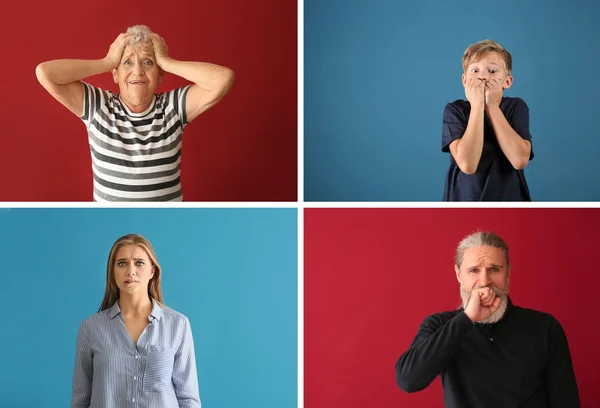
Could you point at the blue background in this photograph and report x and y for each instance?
(377, 75)
(232, 272)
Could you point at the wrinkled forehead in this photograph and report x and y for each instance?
(139, 50)
(482, 255)
(131, 252)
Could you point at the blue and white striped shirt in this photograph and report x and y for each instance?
(111, 371)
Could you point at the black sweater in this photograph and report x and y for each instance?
(521, 361)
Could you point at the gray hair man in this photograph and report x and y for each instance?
(490, 353)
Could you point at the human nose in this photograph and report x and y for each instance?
(130, 269)
(138, 69)
(484, 279)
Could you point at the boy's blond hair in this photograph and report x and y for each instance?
(476, 51)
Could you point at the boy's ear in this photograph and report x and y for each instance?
(508, 82)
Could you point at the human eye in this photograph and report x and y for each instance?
(140, 263)
(127, 62)
(474, 70)
(148, 62)
(493, 71)
(121, 263)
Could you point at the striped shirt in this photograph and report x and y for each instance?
(135, 156)
(112, 372)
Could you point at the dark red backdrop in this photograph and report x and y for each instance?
(244, 149)
(366, 271)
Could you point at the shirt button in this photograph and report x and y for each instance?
(136, 357)
(134, 377)
(491, 339)
(133, 400)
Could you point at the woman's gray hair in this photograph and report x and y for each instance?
(140, 34)
(480, 239)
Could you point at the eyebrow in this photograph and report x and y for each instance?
(477, 267)
(135, 259)
(489, 63)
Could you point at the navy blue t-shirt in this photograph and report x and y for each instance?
(495, 178)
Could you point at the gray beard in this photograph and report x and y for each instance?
(498, 314)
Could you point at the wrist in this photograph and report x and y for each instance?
(469, 315)
(162, 61)
(107, 64)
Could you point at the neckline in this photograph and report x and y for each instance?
(141, 114)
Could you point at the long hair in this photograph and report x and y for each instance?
(111, 293)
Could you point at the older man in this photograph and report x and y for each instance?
(135, 136)
(490, 353)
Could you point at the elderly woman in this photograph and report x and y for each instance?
(135, 351)
(135, 136)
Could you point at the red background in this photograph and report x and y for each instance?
(243, 149)
(366, 271)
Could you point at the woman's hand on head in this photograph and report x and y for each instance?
(161, 51)
(115, 52)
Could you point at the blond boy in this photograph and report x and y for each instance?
(487, 135)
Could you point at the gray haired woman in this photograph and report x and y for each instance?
(135, 136)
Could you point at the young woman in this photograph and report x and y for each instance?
(135, 352)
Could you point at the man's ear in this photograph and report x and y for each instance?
(115, 76)
(457, 271)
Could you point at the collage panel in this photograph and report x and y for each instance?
(386, 289)
(198, 307)
(179, 101)
(438, 101)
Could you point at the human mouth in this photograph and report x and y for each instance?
(129, 282)
(137, 82)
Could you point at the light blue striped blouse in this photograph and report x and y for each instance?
(110, 371)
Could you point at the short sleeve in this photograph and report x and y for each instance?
(453, 127)
(177, 98)
(519, 121)
(93, 99)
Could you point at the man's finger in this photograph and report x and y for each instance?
(495, 305)
(490, 301)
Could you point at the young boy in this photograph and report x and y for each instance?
(488, 136)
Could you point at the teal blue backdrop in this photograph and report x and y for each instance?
(232, 272)
(377, 75)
